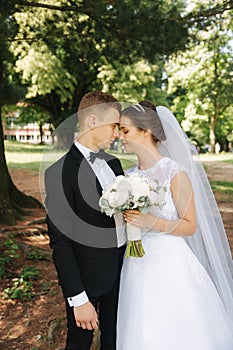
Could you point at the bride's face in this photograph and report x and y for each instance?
(132, 137)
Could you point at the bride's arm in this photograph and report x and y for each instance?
(183, 197)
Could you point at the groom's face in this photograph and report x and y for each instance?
(106, 128)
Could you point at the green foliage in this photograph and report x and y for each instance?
(29, 113)
(200, 83)
(34, 254)
(5, 262)
(22, 287)
(134, 82)
(9, 251)
(12, 250)
(45, 288)
(29, 273)
(64, 54)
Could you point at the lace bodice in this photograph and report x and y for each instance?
(163, 171)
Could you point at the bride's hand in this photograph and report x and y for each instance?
(139, 219)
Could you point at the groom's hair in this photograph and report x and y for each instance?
(96, 102)
(93, 98)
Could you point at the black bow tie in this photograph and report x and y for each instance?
(100, 154)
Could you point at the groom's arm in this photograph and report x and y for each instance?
(60, 225)
(63, 254)
(65, 263)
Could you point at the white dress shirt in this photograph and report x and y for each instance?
(105, 176)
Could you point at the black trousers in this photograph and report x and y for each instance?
(81, 339)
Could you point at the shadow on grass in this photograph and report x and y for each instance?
(222, 186)
(32, 166)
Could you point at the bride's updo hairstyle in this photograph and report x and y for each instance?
(145, 117)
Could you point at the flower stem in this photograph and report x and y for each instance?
(135, 249)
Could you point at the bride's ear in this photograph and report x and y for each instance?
(148, 132)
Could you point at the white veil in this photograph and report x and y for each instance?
(209, 243)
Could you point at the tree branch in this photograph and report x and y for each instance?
(200, 14)
(46, 6)
(220, 8)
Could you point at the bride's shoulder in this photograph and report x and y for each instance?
(171, 166)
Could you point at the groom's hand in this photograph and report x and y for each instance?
(86, 316)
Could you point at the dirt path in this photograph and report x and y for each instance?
(28, 325)
(220, 171)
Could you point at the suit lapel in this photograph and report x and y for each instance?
(84, 168)
(87, 170)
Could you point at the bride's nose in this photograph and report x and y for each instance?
(121, 135)
(116, 132)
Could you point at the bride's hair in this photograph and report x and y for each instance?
(145, 117)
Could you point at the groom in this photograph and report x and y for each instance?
(87, 245)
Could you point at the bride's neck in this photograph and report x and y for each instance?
(147, 157)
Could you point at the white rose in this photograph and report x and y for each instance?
(123, 189)
(140, 187)
(114, 199)
(118, 179)
(157, 198)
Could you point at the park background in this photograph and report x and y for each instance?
(175, 53)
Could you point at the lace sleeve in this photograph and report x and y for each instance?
(174, 168)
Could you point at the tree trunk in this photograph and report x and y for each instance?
(213, 120)
(41, 132)
(11, 199)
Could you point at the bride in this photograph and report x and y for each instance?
(179, 295)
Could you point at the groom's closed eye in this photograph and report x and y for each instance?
(115, 125)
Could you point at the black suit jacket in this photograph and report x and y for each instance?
(83, 239)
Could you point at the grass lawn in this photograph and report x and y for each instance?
(23, 155)
(222, 186)
(28, 156)
(222, 157)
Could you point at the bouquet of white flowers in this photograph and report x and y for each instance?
(132, 191)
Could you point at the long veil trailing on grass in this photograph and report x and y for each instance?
(209, 243)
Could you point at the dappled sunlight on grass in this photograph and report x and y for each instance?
(222, 186)
(15, 146)
(222, 157)
(28, 156)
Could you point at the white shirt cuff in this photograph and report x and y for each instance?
(78, 300)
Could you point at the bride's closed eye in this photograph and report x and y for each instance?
(125, 131)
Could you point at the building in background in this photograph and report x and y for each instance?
(30, 133)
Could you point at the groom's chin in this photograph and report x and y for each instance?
(105, 145)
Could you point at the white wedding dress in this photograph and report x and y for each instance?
(167, 300)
